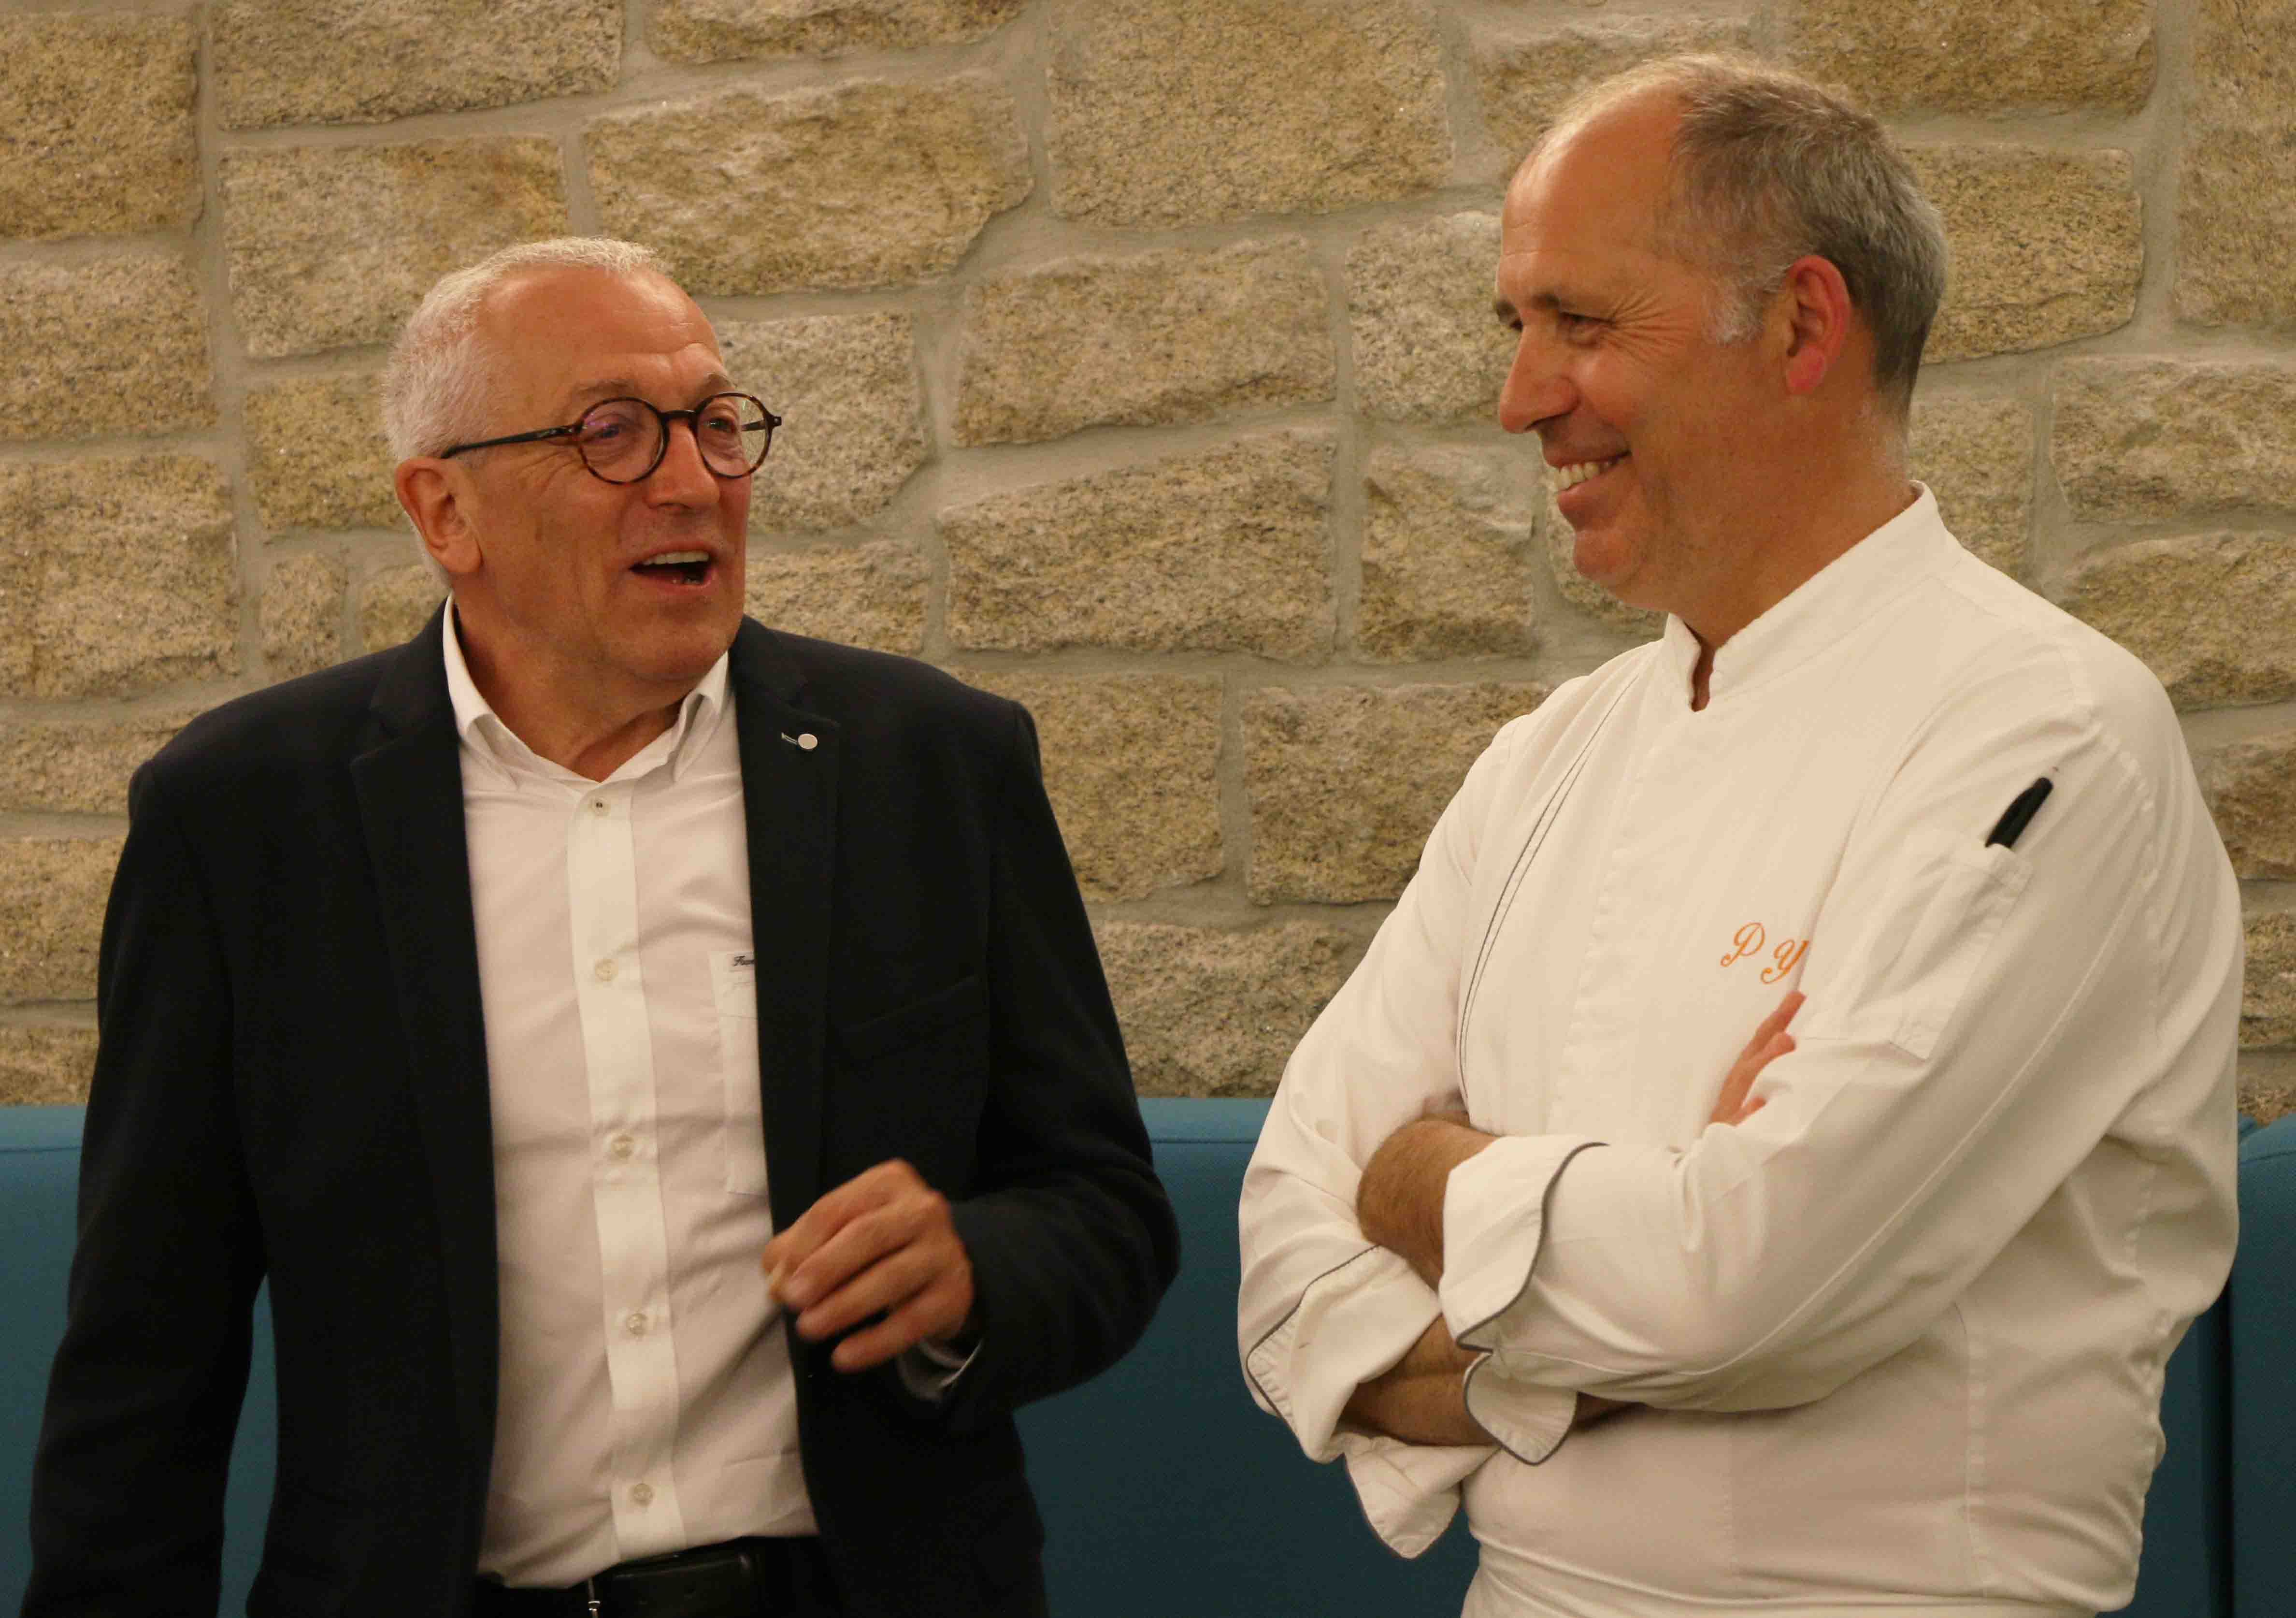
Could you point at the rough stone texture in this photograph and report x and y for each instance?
(852, 431)
(2213, 616)
(864, 183)
(1224, 551)
(115, 576)
(2146, 438)
(315, 455)
(45, 1066)
(1148, 341)
(1521, 83)
(321, 62)
(329, 246)
(52, 894)
(866, 595)
(2267, 1003)
(1977, 56)
(1977, 456)
(2265, 1101)
(1162, 114)
(115, 345)
(96, 126)
(1447, 554)
(1347, 781)
(2046, 245)
(2236, 193)
(1427, 347)
(2251, 791)
(78, 766)
(1583, 593)
(302, 614)
(394, 605)
(1207, 1012)
(1128, 765)
(721, 30)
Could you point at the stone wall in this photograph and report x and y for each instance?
(1138, 363)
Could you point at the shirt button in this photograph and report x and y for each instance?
(642, 1494)
(599, 806)
(620, 1147)
(634, 1322)
(605, 970)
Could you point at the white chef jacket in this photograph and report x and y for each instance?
(1899, 1336)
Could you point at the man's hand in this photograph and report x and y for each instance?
(1770, 1041)
(1399, 1199)
(1420, 1398)
(881, 1243)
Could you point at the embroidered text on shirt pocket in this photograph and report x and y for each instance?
(1921, 983)
(734, 981)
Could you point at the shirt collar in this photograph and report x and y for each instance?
(700, 713)
(1831, 603)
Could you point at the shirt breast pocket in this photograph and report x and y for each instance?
(1911, 972)
(734, 981)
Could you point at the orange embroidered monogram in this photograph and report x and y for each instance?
(1749, 938)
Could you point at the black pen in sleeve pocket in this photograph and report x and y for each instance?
(2014, 818)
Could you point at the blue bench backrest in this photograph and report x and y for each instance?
(1165, 1491)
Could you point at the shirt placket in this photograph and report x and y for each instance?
(626, 1181)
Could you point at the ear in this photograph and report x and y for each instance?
(1818, 317)
(435, 500)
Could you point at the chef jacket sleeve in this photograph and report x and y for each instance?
(1979, 1019)
(1322, 1309)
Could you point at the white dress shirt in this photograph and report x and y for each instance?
(1899, 1336)
(645, 1403)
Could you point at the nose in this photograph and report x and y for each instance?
(682, 479)
(1536, 388)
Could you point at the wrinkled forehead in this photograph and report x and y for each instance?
(553, 328)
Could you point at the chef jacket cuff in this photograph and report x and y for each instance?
(1353, 1322)
(1494, 1219)
(1409, 1492)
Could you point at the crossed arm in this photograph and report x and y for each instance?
(1399, 1205)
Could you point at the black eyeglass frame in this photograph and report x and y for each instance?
(661, 444)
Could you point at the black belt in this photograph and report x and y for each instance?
(739, 1579)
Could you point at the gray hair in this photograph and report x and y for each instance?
(441, 374)
(1768, 166)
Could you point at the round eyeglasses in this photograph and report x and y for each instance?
(622, 440)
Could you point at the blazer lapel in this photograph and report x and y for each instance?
(789, 798)
(410, 796)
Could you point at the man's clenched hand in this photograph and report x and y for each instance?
(880, 1244)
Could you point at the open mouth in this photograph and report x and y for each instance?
(1560, 478)
(676, 567)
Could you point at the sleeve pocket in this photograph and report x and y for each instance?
(1920, 962)
(920, 1020)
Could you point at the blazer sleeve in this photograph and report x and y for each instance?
(1071, 1235)
(128, 1483)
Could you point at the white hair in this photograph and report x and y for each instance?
(440, 378)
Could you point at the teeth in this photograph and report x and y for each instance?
(1578, 472)
(670, 556)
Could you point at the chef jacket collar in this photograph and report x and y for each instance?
(1831, 603)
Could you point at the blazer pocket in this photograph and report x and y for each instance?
(733, 980)
(925, 1018)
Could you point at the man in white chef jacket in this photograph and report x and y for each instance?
(1886, 1332)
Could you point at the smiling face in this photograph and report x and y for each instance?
(1650, 429)
(559, 579)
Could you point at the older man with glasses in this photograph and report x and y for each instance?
(660, 1064)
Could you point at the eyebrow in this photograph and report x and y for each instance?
(1506, 310)
(622, 387)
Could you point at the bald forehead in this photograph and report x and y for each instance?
(1624, 146)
